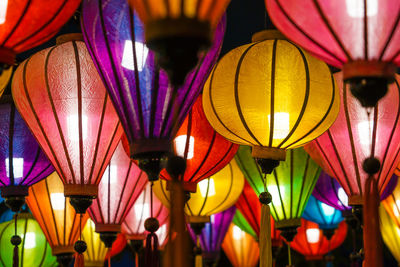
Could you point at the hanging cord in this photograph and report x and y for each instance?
(289, 254)
(15, 241)
(151, 225)
(80, 247)
(198, 253)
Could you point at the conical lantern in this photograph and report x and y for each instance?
(203, 149)
(150, 110)
(311, 242)
(34, 249)
(121, 185)
(63, 100)
(240, 247)
(60, 223)
(390, 232)
(358, 36)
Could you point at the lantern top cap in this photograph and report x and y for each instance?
(69, 37)
(267, 35)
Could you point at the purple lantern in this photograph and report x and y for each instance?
(213, 234)
(150, 110)
(22, 161)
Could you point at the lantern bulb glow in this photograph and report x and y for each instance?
(73, 127)
(275, 193)
(30, 240)
(343, 198)
(17, 166)
(281, 127)
(180, 146)
(142, 211)
(57, 201)
(237, 233)
(355, 8)
(328, 210)
(141, 52)
(3, 10)
(312, 235)
(207, 187)
(396, 208)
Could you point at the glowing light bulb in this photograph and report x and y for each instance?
(180, 146)
(17, 166)
(281, 125)
(127, 56)
(312, 235)
(355, 8)
(396, 208)
(142, 211)
(237, 233)
(328, 210)
(344, 199)
(73, 127)
(274, 191)
(30, 240)
(3, 10)
(207, 187)
(57, 201)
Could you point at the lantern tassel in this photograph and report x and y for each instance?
(265, 237)
(15, 257)
(151, 258)
(79, 260)
(372, 235)
(16, 241)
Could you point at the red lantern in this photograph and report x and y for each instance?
(119, 188)
(60, 95)
(204, 150)
(311, 242)
(25, 24)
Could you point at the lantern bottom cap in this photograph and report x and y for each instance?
(81, 203)
(58, 250)
(107, 227)
(268, 153)
(288, 228)
(65, 259)
(108, 238)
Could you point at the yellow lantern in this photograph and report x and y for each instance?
(390, 233)
(271, 95)
(392, 204)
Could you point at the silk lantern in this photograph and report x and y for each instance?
(151, 112)
(390, 232)
(63, 100)
(392, 205)
(34, 249)
(271, 95)
(60, 223)
(120, 186)
(240, 247)
(240, 221)
(178, 30)
(358, 36)
(311, 242)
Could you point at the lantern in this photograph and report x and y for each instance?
(26, 24)
(97, 252)
(390, 232)
(325, 216)
(270, 95)
(392, 205)
(5, 79)
(150, 110)
(119, 188)
(24, 163)
(62, 98)
(204, 150)
(358, 36)
(34, 249)
(213, 234)
(240, 247)
(311, 242)
(60, 223)
(240, 221)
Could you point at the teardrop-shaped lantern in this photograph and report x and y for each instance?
(390, 232)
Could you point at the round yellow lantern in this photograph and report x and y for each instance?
(390, 233)
(271, 95)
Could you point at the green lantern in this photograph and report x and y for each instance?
(240, 221)
(290, 185)
(33, 250)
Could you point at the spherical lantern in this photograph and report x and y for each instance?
(240, 247)
(271, 95)
(24, 162)
(34, 249)
(204, 150)
(26, 24)
(390, 232)
(358, 36)
(56, 216)
(121, 185)
(150, 110)
(311, 242)
(63, 100)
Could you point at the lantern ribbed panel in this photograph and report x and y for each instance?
(213, 195)
(140, 91)
(316, 250)
(270, 94)
(22, 162)
(121, 185)
(240, 221)
(338, 31)
(61, 97)
(205, 151)
(29, 23)
(326, 216)
(54, 213)
(341, 150)
(240, 248)
(34, 249)
(390, 233)
(392, 205)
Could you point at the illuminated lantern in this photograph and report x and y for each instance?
(150, 110)
(270, 95)
(5, 79)
(390, 232)
(119, 188)
(327, 217)
(243, 224)
(26, 24)
(392, 205)
(204, 150)
(213, 234)
(240, 247)
(34, 249)
(56, 216)
(311, 242)
(359, 36)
